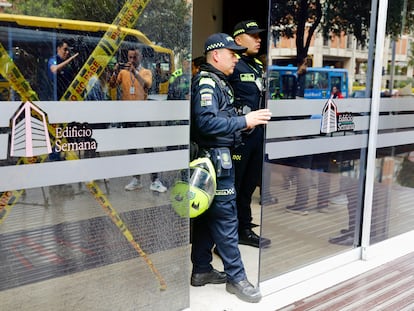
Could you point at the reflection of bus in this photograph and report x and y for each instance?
(31, 41)
(318, 81)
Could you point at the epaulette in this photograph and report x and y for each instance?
(214, 78)
(175, 75)
(207, 80)
(258, 61)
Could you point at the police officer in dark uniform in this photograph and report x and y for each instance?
(215, 127)
(60, 69)
(179, 81)
(248, 85)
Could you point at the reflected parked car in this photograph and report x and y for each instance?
(358, 94)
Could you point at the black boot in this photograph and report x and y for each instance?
(249, 237)
(244, 290)
(212, 277)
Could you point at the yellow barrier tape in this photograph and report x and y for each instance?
(106, 205)
(127, 17)
(7, 201)
(9, 71)
(106, 48)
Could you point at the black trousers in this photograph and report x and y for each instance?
(218, 225)
(248, 163)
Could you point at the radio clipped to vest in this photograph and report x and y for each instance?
(221, 159)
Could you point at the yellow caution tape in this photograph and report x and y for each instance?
(106, 205)
(9, 71)
(127, 17)
(106, 48)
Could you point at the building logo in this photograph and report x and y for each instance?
(29, 132)
(30, 135)
(334, 121)
(329, 122)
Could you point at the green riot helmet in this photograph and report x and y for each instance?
(192, 198)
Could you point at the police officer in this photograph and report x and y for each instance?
(179, 81)
(248, 85)
(215, 127)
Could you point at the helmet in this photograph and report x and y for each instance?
(192, 198)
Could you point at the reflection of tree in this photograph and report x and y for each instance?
(51, 8)
(299, 19)
(165, 22)
(168, 23)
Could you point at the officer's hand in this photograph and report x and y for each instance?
(257, 117)
(74, 56)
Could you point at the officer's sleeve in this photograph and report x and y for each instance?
(209, 119)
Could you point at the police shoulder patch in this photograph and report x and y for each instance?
(206, 99)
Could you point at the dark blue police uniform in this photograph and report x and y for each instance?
(179, 83)
(62, 79)
(247, 83)
(214, 123)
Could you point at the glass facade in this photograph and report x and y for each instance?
(339, 168)
(94, 135)
(94, 131)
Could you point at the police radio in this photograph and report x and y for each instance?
(241, 108)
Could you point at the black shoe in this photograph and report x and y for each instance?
(346, 239)
(269, 200)
(296, 210)
(244, 290)
(212, 277)
(323, 209)
(250, 238)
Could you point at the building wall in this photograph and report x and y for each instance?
(207, 19)
(339, 54)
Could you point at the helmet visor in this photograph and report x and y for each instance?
(203, 180)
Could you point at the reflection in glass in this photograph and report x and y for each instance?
(316, 173)
(33, 46)
(66, 234)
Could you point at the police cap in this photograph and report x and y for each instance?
(222, 41)
(249, 27)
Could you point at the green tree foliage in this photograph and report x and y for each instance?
(411, 55)
(168, 23)
(301, 18)
(92, 10)
(49, 8)
(165, 22)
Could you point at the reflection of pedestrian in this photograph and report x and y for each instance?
(98, 88)
(275, 36)
(248, 85)
(60, 71)
(157, 78)
(196, 63)
(336, 93)
(277, 94)
(215, 127)
(135, 81)
(179, 82)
